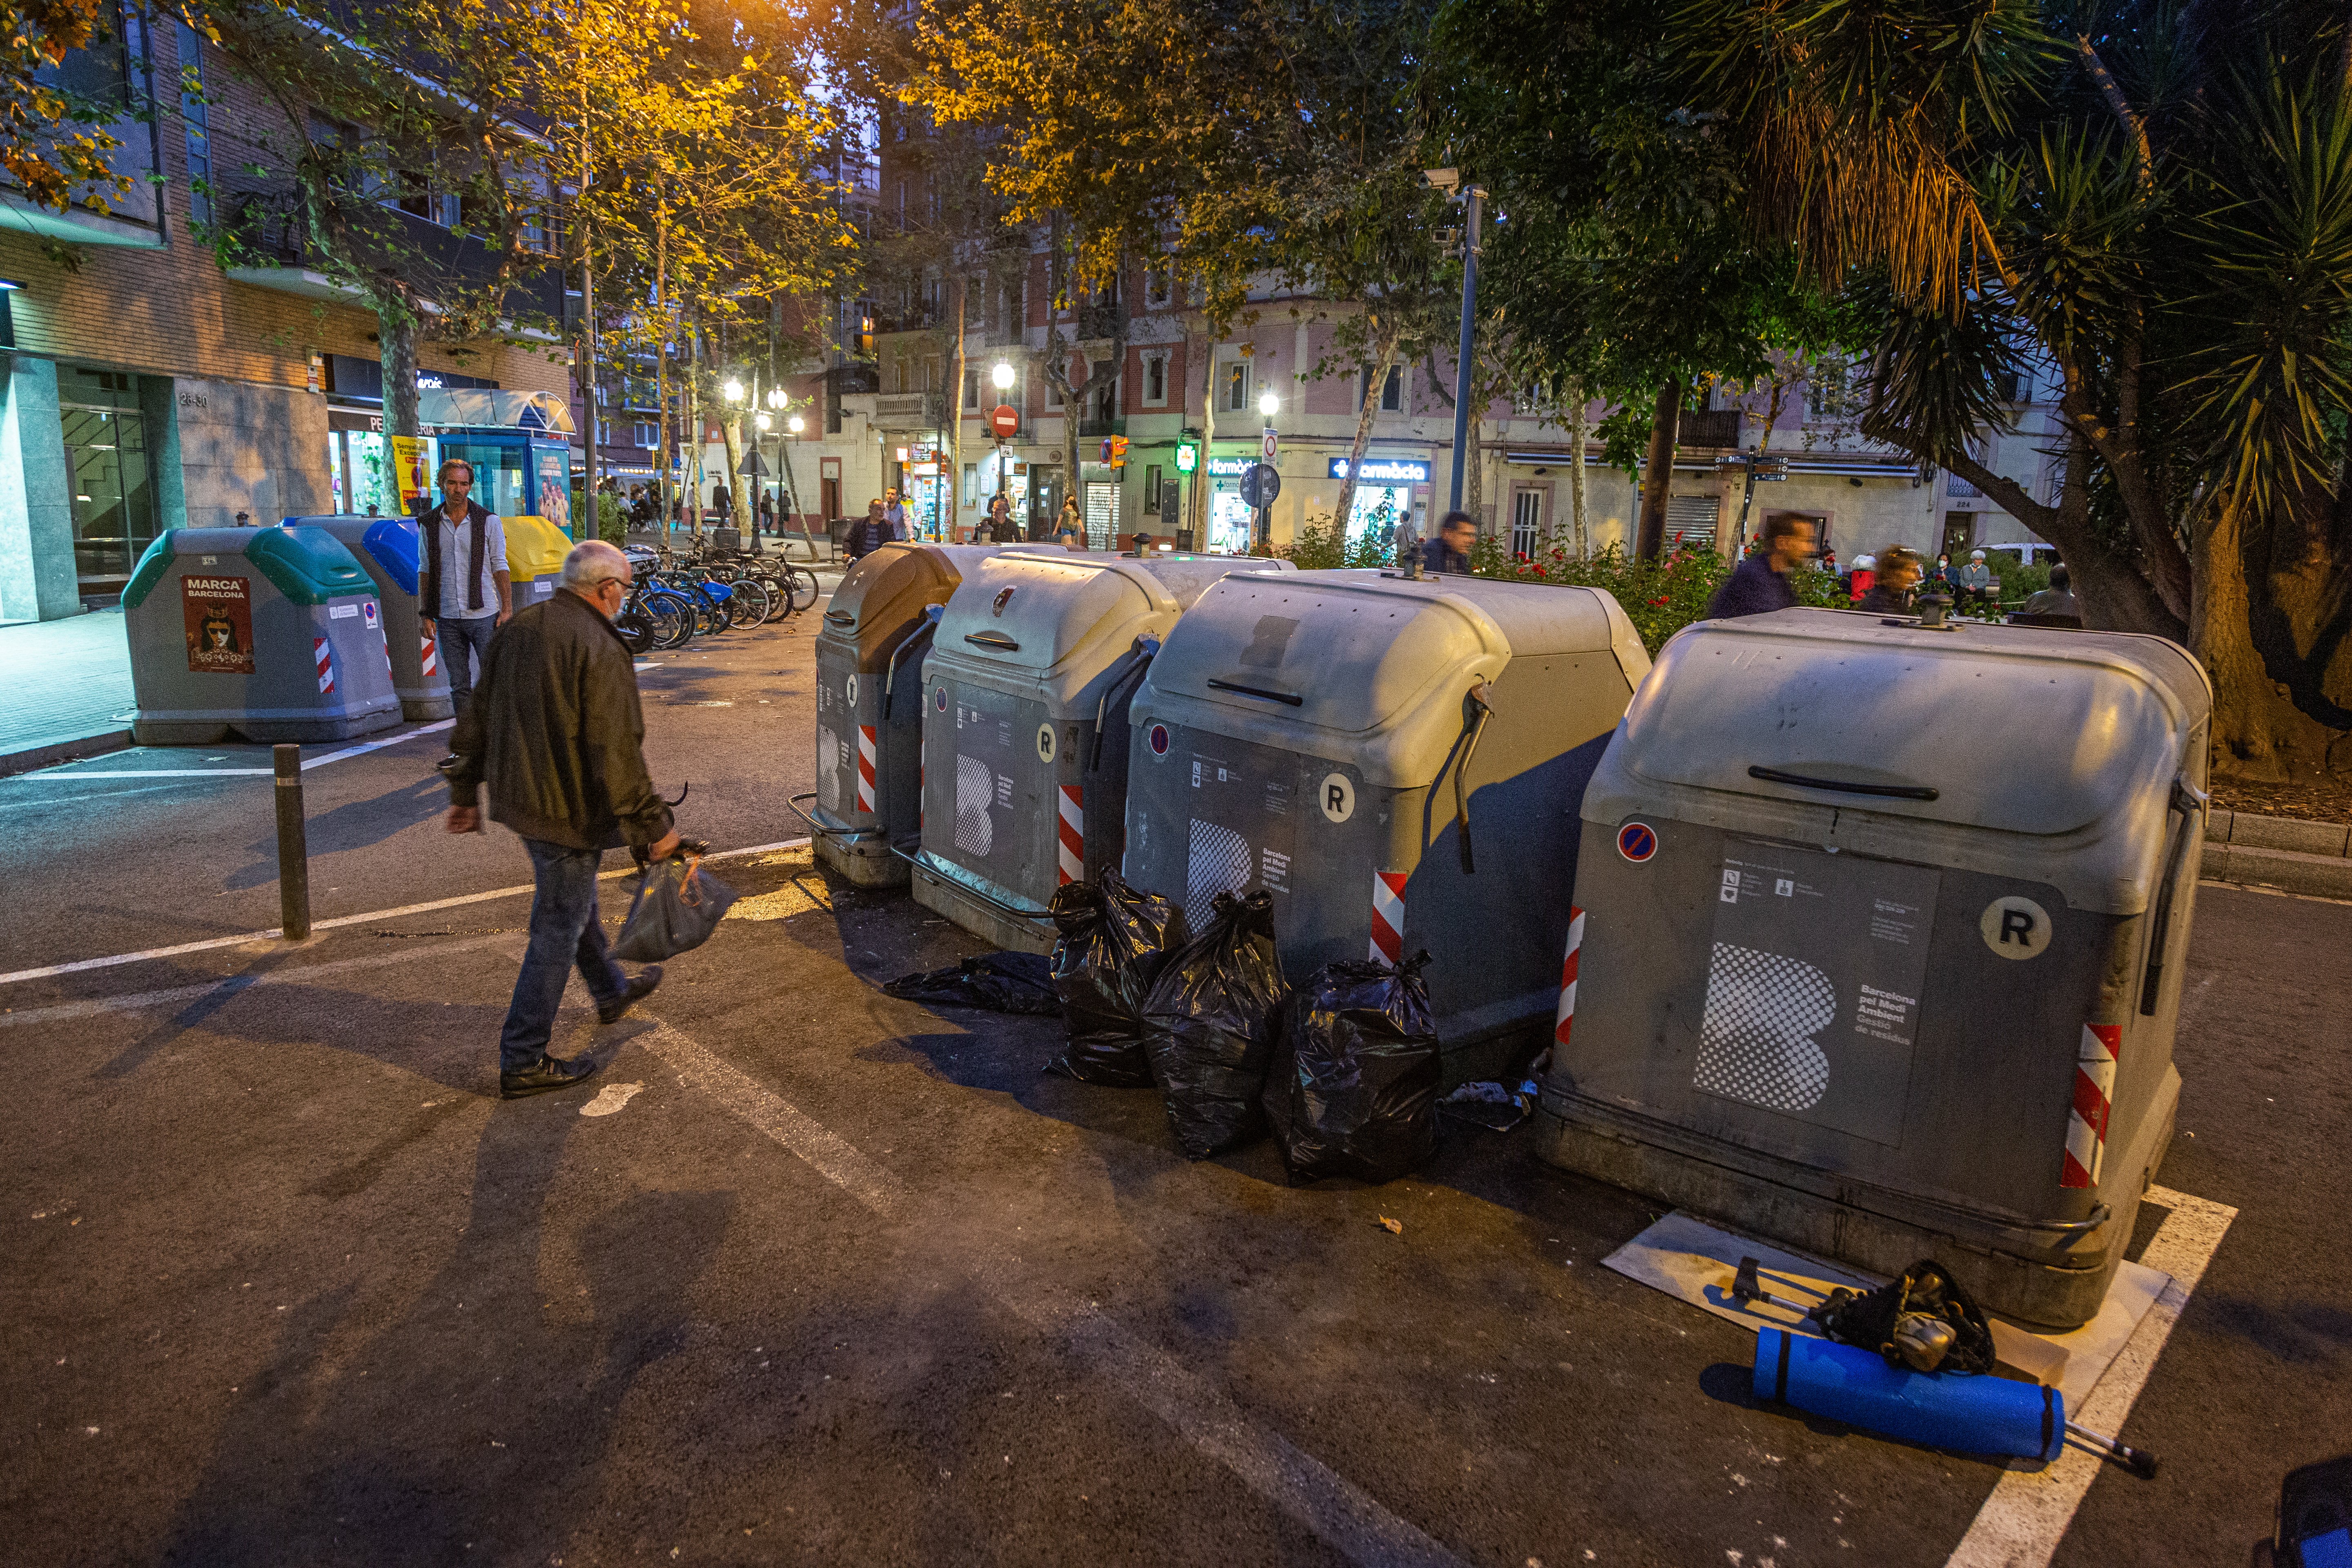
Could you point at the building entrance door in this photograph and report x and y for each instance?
(111, 472)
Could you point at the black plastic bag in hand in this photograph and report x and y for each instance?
(1356, 1091)
(1209, 1025)
(678, 905)
(1114, 941)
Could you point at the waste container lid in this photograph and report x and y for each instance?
(1353, 651)
(535, 547)
(309, 565)
(889, 585)
(2015, 729)
(1033, 609)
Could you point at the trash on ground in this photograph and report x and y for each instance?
(1974, 1414)
(1354, 1091)
(1923, 1320)
(1114, 941)
(994, 982)
(1498, 1107)
(1210, 1021)
(1393, 1227)
(678, 905)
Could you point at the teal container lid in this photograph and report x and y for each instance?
(309, 565)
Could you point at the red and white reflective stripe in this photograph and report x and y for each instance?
(866, 767)
(1071, 846)
(320, 650)
(2094, 1089)
(1566, 1014)
(386, 643)
(1388, 918)
(428, 651)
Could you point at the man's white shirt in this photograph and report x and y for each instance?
(458, 566)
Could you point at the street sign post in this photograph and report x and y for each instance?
(1260, 485)
(1266, 446)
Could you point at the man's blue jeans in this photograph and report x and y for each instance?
(565, 931)
(463, 641)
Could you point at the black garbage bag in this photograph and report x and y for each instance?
(1115, 939)
(1354, 1092)
(678, 905)
(1209, 1026)
(1886, 1321)
(998, 982)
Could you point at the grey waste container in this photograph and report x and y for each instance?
(1882, 939)
(1307, 734)
(869, 706)
(275, 633)
(1038, 654)
(388, 549)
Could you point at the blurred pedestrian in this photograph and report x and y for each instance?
(1864, 576)
(1071, 530)
(1977, 582)
(894, 512)
(1896, 580)
(767, 512)
(871, 532)
(1828, 562)
(559, 737)
(2058, 599)
(463, 591)
(1000, 521)
(1449, 550)
(1759, 583)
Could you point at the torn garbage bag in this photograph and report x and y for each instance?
(997, 981)
(1114, 940)
(1209, 1023)
(1356, 1091)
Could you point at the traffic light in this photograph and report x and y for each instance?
(1117, 452)
(1188, 457)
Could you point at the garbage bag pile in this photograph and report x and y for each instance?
(1209, 1026)
(1355, 1091)
(998, 982)
(1114, 941)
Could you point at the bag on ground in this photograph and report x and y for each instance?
(678, 905)
(1210, 1022)
(1355, 1089)
(1114, 941)
(997, 981)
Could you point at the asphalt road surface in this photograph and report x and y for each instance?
(814, 1275)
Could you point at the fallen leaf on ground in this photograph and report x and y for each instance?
(1393, 1227)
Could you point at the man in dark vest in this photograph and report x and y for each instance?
(463, 591)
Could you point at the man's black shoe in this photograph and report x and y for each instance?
(639, 989)
(446, 763)
(546, 1073)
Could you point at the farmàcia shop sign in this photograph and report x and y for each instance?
(1385, 471)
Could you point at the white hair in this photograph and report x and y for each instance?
(591, 562)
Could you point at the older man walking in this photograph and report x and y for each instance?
(556, 732)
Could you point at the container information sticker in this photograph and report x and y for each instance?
(219, 615)
(1813, 985)
(1238, 822)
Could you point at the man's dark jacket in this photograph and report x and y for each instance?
(555, 729)
(1752, 589)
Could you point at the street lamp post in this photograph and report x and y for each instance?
(1266, 404)
(1003, 377)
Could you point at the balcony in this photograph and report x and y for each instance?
(1708, 427)
(1099, 321)
(908, 410)
(1095, 428)
(267, 222)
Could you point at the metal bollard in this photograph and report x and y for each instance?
(293, 853)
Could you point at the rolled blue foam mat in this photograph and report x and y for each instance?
(1977, 1415)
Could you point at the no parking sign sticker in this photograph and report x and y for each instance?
(1637, 841)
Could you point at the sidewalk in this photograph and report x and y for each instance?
(71, 681)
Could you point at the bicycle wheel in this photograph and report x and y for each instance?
(779, 599)
(749, 606)
(636, 630)
(673, 619)
(709, 620)
(802, 583)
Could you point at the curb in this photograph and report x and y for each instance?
(98, 745)
(2312, 859)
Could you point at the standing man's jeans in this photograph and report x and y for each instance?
(565, 931)
(463, 642)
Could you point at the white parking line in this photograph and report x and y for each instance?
(77, 965)
(2028, 1514)
(60, 773)
(230, 984)
(1269, 1464)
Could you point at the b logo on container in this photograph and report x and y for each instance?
(1637, 841)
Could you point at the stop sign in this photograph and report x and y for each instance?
(1006, 420)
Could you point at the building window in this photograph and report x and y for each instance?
(1151, 490)
(971, 386)
(1156, 289)
(1391, 390)
(195, 117)
(1052, 394)
(1237, 386)
(932, 374)
(1155, 380)
(971, 484)
(898, 371)
(647, 437)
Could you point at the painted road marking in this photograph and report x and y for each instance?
(2028, 1514)
(59, 775)
(77, 965)
(1287, 1476)
(231, 984)
(611, 1098)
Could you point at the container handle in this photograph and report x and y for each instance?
(2190, 803)
(996, 640)
(1291, 698)
(932, 614)
(1480, 702)
(1144, 650)
(1803, 781)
